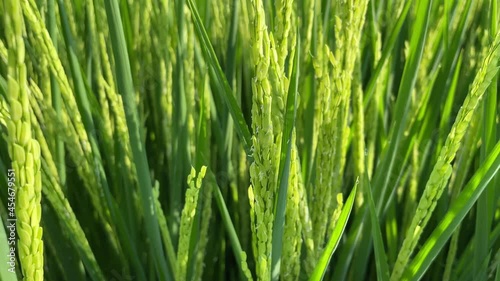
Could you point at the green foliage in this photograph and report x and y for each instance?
(275, 111)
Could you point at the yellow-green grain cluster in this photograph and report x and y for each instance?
(263, 171)
(188, 213)
(292, 238)
(334, 73)
(328, 104)
(4, 111)
(107, 106)
(24, 150)
(443, 169)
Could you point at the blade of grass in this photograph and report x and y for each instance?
(3, 86)
(497, 277)
(321, 267)
(165, 234)
(284, 168)
(84, 102)
(66, 255)
(180, 131)
(448, 105)
(231, 42)
(56, 94)
(386, 52)
(220, 80)
(125, 87)
(230, 72)
(201, 219)
(70, 225)
(477, 274)
(226, 219)
(457, 212)
(79, 87)
(403, 102)
(445, 78)
(463, 267)
(380, 255)
(128, 33)
(485, 206)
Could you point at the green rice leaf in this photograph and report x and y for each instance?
(220, 80)
(239, 254)
(125, 87)
(380, 255)
(497, 276)
(321, 267)
(386, 52)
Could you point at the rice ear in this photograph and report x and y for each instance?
(24, 151)
(441, 172)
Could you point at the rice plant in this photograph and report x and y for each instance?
(249, 140)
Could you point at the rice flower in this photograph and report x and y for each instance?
(80, 149)
(348, 26)
(4, 111)
(221, 12)
(282, 29)
(292, 239)
(442, 169)
(188, 212)
(327, 107)
(358, 144)
(54, 193)
(23, 150)
(371, 111)
(263, 171)
(334, 71)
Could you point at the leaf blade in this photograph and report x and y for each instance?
(321, 267)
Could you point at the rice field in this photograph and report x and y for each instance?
(249, 140)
